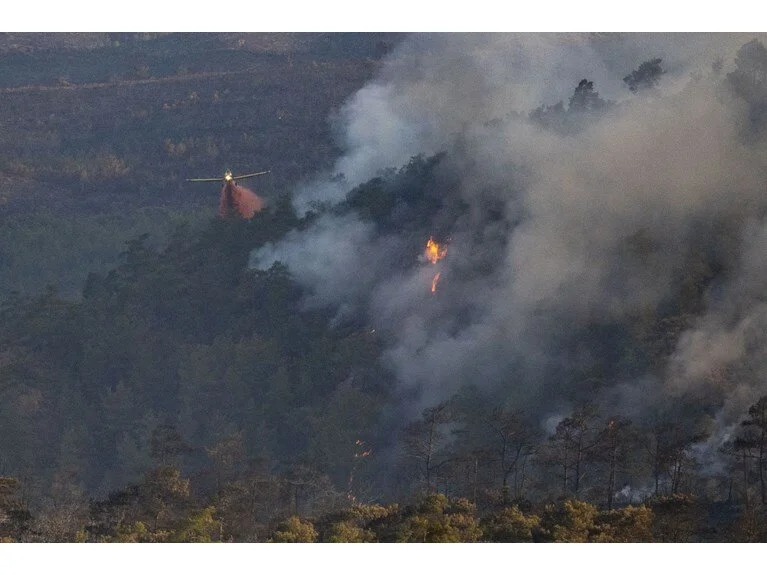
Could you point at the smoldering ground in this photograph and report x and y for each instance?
(571, 240)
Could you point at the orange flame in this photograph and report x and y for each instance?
(434, 282)
(434, 251)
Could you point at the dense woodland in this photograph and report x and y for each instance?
(186, 396)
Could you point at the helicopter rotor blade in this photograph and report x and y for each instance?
(204, 179)
(250, 175)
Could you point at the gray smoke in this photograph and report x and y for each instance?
(323, 256)
(599, 220)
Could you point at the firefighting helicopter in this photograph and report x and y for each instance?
(236, 199)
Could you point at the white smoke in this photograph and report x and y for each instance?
(600, 220)
(322, 258)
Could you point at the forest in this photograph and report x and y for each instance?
(487, 338)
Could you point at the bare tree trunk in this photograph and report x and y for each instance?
(729, 491)
(611, 481)
(504, 471)
(519, 487)
(762, 485)
(252, 510)
(505, 489)
(745, 479)
(579, 456)
(428, 459)
(675, 475)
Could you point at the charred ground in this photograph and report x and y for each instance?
(99, 132)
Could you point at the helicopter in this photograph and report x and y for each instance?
(236, 199)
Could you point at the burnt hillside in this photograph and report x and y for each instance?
(99, 131)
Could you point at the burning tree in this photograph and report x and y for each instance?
(433, 253)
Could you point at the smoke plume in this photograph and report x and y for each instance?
(580, 227)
